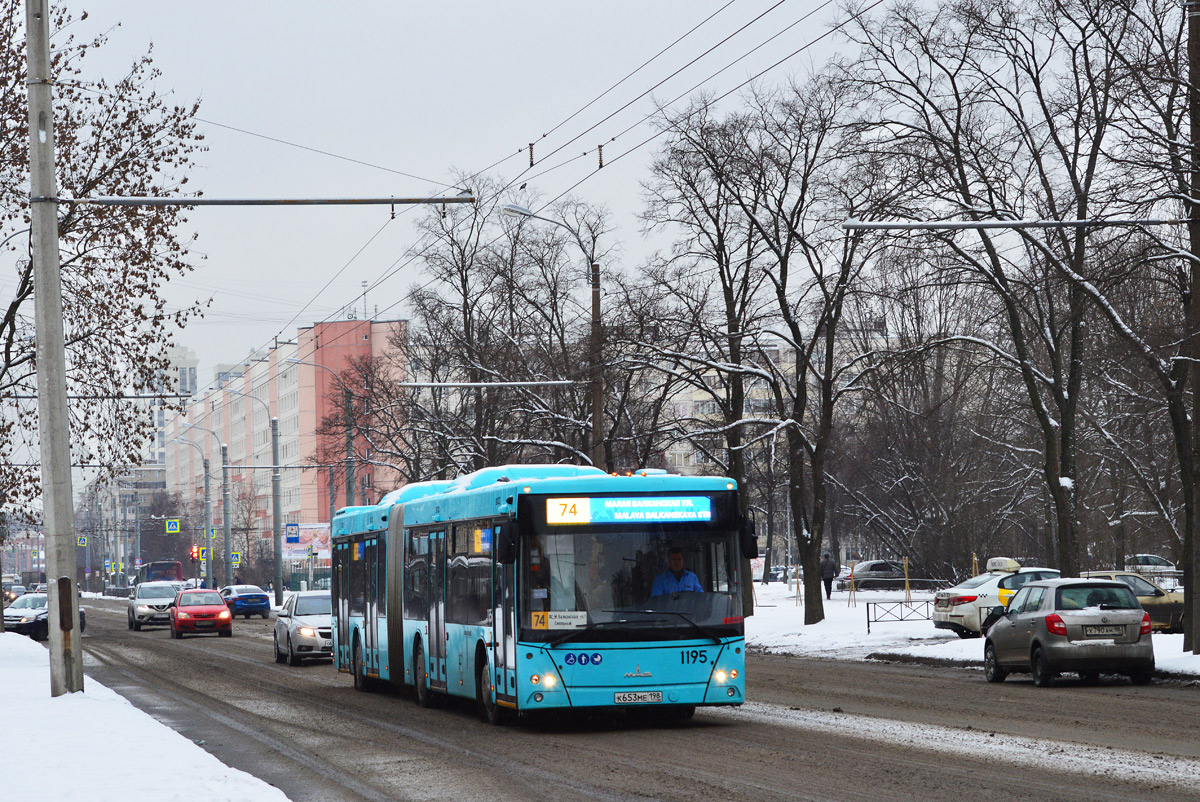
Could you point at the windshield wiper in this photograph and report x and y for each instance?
(708, 633)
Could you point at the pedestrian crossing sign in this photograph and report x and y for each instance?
(172, 526)
(204, 552)
(81, 540)
(237, 558)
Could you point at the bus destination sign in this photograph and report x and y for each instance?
(628, 509)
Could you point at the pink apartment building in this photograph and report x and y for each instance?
(300, 384)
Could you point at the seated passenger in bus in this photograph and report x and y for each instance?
(676, 579)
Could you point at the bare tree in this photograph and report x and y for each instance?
(121, 138)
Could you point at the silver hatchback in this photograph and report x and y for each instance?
(1083, 626)
(303, 627)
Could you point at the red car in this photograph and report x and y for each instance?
(200, 610)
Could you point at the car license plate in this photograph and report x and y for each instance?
(204, 624)
(637, 697)
(1103, 632)
(326, 644)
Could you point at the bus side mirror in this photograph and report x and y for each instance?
(506, 544)
(748, 538)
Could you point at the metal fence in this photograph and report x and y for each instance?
(891, 611)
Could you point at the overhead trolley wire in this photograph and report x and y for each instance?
(724, 95)
(657, 134)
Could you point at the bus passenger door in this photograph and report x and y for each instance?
(370, 639)
(504, 637)
(437, 610)
(341, 601)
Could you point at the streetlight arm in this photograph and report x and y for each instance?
(513, 210)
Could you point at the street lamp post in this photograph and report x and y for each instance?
(276, 501)
(596, 345)
(225, 500)
(348, 410)
(207, 504)
(225, 513)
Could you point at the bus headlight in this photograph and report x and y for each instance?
(548, 681)
(719, 676)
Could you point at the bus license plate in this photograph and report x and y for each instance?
(1103, 632)
(637, 697)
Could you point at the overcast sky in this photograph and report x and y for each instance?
(422, 89)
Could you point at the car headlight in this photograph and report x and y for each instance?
(182, 616)
(308, 632)
(223, 615)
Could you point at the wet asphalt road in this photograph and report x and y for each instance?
(815, 730)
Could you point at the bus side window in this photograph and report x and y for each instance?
(358, 578)
(416, 575)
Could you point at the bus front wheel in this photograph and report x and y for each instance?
(489, 711)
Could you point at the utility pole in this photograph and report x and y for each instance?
(348, 403)
(598, 457)
(332, 499)
(207, 538)
(1191, 348)
(276, 512)
(137, 531)
(66, 656)
(226, 503)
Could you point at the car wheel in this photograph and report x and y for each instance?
(279, 658)
(1089, 677)
(292, 658)
(266, 615)
(130, 617)
(1142, 677)
(176, 633)
(226, 633)
(992, 671)
(82, 622)
(136, 625)
(421, 677)
(1043, 674)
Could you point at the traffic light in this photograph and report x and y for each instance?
(195, 553)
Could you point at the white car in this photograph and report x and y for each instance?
(963, 609)
(150, 602)
(303, 627)
(1155, 568)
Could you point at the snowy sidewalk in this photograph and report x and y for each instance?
(778, 626)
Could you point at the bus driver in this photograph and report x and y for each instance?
(676, 578)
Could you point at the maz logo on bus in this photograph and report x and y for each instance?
(583, 658)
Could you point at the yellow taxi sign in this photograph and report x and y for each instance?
(1003, 564)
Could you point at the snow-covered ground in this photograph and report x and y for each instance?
(55, 752)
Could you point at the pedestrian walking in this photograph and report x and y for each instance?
(828, 570)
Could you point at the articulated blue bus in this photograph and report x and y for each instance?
(547, 587)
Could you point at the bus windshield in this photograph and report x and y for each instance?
(648, 582)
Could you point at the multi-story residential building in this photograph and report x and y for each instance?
(301, 383)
